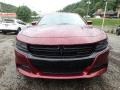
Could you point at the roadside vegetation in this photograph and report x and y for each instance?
(82, 6)
(110, 25)
(23, 12)
(7, 8)
(108, 22)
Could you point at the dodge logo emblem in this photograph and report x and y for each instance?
(61, 49)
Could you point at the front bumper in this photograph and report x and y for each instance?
(8, 28)
(98, 66)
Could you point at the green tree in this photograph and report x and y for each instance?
(81, 7)
(7, 8)
(24, 13)
(117, 3)
(80, 11)
(34, 13)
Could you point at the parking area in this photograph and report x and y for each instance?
(11, 80)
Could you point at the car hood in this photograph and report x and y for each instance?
(61, 34)
(61, 31)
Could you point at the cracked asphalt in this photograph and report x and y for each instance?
(11, 80)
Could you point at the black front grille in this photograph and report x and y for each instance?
(61, 51)
(62, 67)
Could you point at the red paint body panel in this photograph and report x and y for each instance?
(64, 35)
(100, 59)
(95, 74)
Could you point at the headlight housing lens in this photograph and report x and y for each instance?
(21, 46)
(101, 45)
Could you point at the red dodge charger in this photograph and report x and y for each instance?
(62, 46)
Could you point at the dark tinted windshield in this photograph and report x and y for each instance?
(62, 19)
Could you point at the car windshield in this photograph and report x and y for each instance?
(8, 21)
(62, 19)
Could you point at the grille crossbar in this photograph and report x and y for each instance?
(61, 51)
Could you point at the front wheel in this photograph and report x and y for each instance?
(18, 30)
(118, 32)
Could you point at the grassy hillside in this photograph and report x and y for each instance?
(7, 8)
(82, 6)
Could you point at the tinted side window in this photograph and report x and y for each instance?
(8, 21)
(20, 22)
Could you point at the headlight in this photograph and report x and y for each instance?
(21, 46)
(101, 45)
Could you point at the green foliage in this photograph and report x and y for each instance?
(7, 8)
(81, 7)
(24, 13)
(80, 11)
(34, 13)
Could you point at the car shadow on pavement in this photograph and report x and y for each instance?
(11, 33)
(78, 84)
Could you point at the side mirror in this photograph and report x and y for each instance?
(34, 23)
(89, 23)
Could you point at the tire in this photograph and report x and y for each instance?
(4, 32)
(18, 30)
(118, 32)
